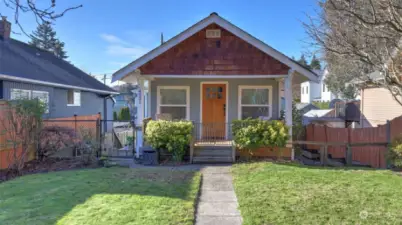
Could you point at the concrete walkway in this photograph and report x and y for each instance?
(218, 202)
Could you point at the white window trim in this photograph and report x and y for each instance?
(241, 87)
(73, 98)
(187, 105)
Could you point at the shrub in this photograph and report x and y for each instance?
(20, 124)
(173, 136)
(54, 138)
(87, 147)
(114, 115)
(395, 153)
(124, 114)
(254, 133)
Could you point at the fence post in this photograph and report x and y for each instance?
(324, 155)
(388, 133)
(98, 136)
(349, 160)
(75, 122)
(349, 156)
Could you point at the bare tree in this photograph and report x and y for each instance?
(359, 37)
(43, 13)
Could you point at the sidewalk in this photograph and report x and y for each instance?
(218, 202)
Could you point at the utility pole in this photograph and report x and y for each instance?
(104, 79)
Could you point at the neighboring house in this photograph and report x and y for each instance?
(27, 72)
(324, 117)
(341, 114)
(377, 104)
(305, 107)
(316, 92)
(213, 73)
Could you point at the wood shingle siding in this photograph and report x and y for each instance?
(227, 55)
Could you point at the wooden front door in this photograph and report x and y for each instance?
(214, 111)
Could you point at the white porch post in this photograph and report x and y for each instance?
(140, 116)
(288, 105)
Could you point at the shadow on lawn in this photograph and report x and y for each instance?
(54, 195)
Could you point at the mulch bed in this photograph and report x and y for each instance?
(45, 166)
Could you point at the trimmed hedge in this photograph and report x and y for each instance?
(251, 134)
(174, 136)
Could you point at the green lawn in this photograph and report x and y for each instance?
(289, 194)
(100, 196)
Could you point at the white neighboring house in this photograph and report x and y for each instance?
(316, 92)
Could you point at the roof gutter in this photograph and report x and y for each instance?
(27, 80)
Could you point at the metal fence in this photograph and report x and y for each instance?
(118, 139)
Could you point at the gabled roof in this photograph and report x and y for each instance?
(24, 63)
(211, 19)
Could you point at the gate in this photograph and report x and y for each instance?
(117, 138)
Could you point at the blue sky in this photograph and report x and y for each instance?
(102, 37)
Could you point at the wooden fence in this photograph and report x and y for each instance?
(78, 123)
(367, 147)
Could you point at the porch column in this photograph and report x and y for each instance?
(140, 116)
(288, 104)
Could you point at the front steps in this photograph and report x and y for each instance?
(213, 154)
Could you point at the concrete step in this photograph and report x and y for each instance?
(212, 152)
(212, 159)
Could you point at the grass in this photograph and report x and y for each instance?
(291, 194)
(100, 196)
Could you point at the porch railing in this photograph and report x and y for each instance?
(212, 132)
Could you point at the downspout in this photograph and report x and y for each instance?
(105, 116)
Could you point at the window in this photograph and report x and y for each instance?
(73, 98)
(20, 94)
(323, 87)
(174, 101)
(307, 90)
(255, 102)
(42, 96)
(302, 90)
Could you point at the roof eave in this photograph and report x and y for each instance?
(27, 80)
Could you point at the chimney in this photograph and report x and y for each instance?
(5, 28)
(162, 41)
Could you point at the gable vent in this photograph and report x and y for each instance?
(213, 33)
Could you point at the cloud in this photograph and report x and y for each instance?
(113, 39)
(133, 49)
(119, 50)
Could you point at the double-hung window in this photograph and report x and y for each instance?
(174, 100)
(255, 102)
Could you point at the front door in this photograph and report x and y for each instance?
(214, 111)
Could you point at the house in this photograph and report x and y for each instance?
(312, 91)
(341, 114)
(377, 104)
(213, 73)
(326, 117)
(305, 107)
(28, 72)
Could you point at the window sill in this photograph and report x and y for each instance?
(72, 105)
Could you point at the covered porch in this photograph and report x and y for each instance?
(212, 104)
